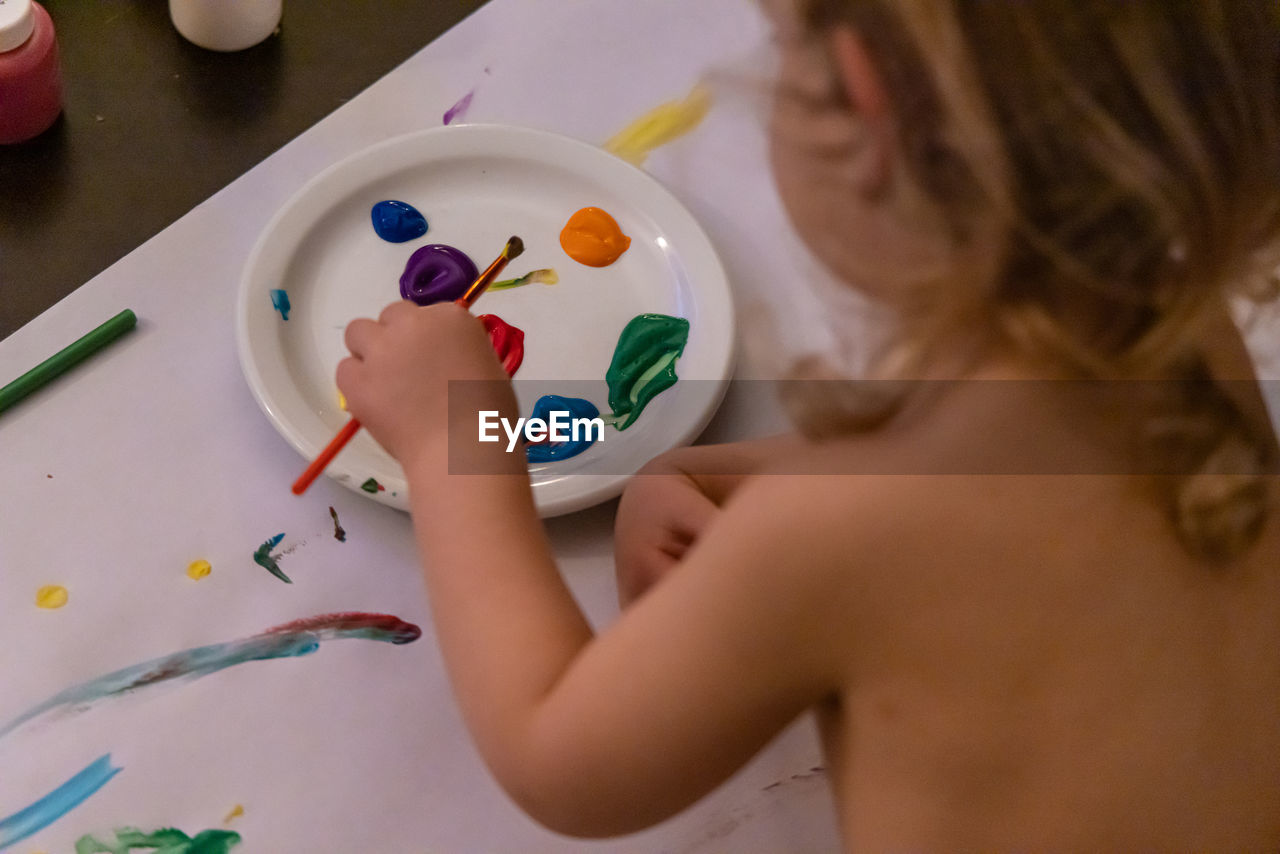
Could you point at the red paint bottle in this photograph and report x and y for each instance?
(30, 81)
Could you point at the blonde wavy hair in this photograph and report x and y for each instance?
(1120, 162)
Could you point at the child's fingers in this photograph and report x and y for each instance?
(347, 375)
(359, 334)
(398, 309)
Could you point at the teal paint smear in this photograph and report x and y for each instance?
(263, 558)
(643, 364)
(280, 302)
(57, 803)
(292, 640)
(167, 840)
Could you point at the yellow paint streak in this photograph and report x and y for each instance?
(661, 125)
(51, 596)
(235, 813)
(198, 569)
(342, 402)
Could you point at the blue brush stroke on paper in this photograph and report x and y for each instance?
(397, 222)
(57, 803)
(280, 302)
(300, 637)
(577, 407)
(284, 642)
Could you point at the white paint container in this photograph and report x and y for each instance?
(225, 25)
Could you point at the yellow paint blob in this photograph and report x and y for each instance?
(342, 402)
(235, 813)
(198, 569)
(592, 237)
(660, 125)
(51, 596)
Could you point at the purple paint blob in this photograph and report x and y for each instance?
(437, 273)
(459, 110)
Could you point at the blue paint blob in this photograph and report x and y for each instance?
(396, 222)
(57, 803)
(577, 407)
(280, 302)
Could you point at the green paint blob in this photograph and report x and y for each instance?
(644, 363)
(370, 486)
(164, 841)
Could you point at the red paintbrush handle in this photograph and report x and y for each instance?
(330, 451)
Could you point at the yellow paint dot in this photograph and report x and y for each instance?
(198, 569)
(51, 596)
(235, 813)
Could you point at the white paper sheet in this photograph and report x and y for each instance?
(154, 454)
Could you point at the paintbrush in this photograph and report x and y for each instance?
(514, 247)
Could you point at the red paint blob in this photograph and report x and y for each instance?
(507, 340)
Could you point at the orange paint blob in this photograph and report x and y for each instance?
(592, 237)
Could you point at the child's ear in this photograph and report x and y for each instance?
(865, 90)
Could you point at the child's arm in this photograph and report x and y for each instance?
(592, 735)
(674, 497)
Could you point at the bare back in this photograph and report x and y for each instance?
(1035, 661)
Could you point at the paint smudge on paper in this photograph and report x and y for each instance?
(592, 237)
(437, 273)
(372, 487)
(236, 812)
(644, 363)
(199, 569)
(290, 640)
(263, 558)
(167, 840)
(659, 126)
(57, 803)
(280, 302)
(397, 222)
(51, 596)
(339, 533)
(507, 341)
(537, 277)
(579, 439)
(342, 401)
(459, 110)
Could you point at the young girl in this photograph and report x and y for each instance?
(1030, 587)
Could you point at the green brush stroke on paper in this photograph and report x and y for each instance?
(371, 486)
(167, 840)
(644, 363)
(263, 558)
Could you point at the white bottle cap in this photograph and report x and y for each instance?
(17, 22)
(225, 24)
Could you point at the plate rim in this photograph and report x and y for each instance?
(592, 488)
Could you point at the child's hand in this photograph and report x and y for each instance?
(396, 380)
(661, 515)
(674, 498)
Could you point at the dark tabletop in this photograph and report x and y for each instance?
(153, 125)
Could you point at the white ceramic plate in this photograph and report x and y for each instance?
(477, 185)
